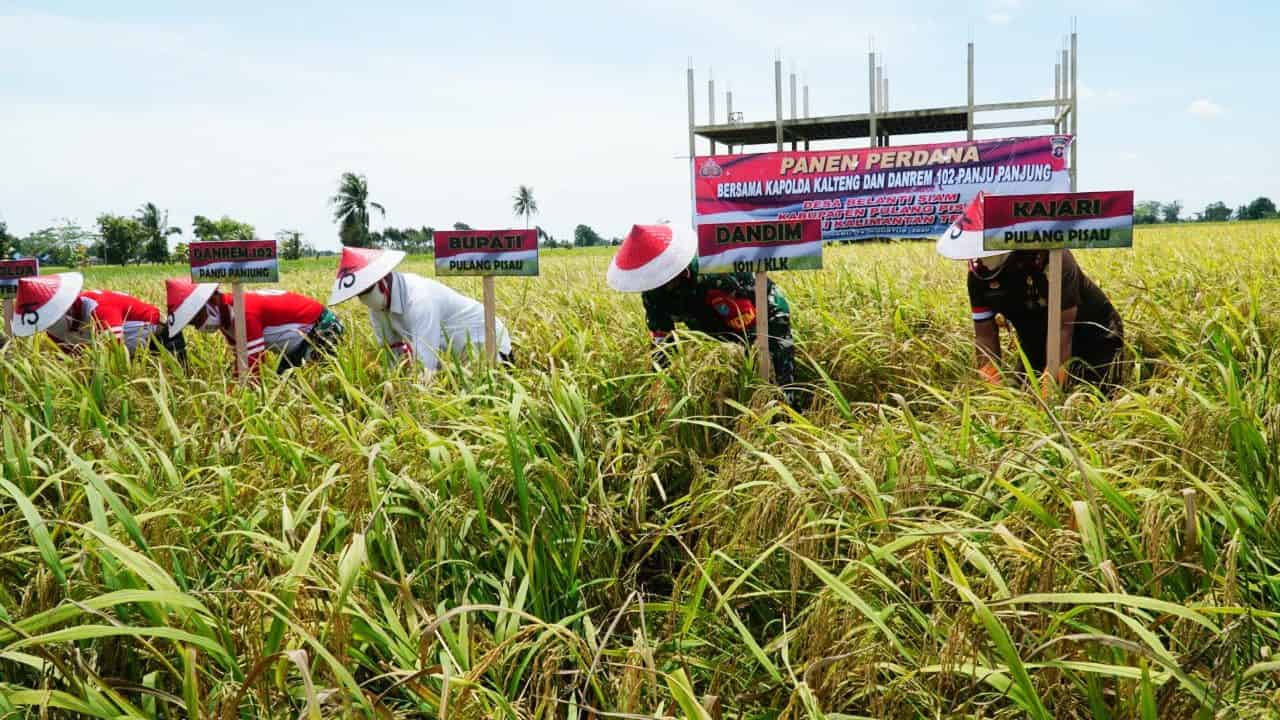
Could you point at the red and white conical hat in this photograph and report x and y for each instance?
(963, 240)
(649, 257)
(359, 269)
(43, 300)
(184, 299)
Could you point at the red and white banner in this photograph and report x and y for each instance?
(247, 261)
(486, 252)
(907, 191)
(1051, 221)
(11, 271)
(760, 246)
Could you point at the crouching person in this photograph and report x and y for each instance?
(1015, 286)
(294, 325)
(416, 318)
(58, 304)
(660, 264)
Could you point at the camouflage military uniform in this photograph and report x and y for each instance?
(722, 306)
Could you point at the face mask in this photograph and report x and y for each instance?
(994, 262)
(212, 319)
(379, 296)
(988, 267)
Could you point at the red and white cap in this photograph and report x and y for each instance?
(360, 269)
(963, 240)
(184, 300)
(649, 257)
(43, 300)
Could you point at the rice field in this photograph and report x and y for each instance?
(581, 537)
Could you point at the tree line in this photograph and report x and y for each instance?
(421, 241)
(128, 239)
(1154, 211)
(352, 210)
(144, 236)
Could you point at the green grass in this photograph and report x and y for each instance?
(580, 535)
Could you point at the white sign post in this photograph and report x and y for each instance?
(10, 272)
(242, 344)
(1056, 222)
(487, 253)
(239, 262)
(758, 247)
(762, 325)
(490, 320)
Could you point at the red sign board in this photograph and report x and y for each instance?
(1048, 221)
(760, 246)
(11, 271)
(246, 261)
(486, 252)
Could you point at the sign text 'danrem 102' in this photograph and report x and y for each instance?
(247, 261)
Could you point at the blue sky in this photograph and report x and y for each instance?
(235, 108)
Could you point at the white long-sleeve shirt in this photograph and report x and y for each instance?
(430, 319)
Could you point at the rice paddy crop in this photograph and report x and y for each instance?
(581, 537)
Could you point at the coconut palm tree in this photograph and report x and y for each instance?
(155, 233)
(351, 209)
(522, 203)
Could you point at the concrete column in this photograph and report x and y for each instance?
(1075, 112)
(728, 114)
(806, 111)
(777, 96)
(1057, 95)
(871, 96)
(711, 107)
(970, 128)
(793, 104)
(693, 192)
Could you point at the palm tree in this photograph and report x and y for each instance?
(522, 203)
(351, 209)
(155, 233)
(290, 243)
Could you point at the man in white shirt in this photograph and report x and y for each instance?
(415, 317)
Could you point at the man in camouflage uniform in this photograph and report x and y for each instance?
(660, 264)
(722, 306)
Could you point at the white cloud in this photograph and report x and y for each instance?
(1108, 96)
(1001, 11)
(207, 125)
(1205, 108)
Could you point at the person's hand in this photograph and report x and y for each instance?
(1049, 382)
(990, 373)
(657, 398)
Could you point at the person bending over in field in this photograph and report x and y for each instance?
(416, 318)
(660, 264)
(297, 327)
(1015, 286)
(58, 304)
